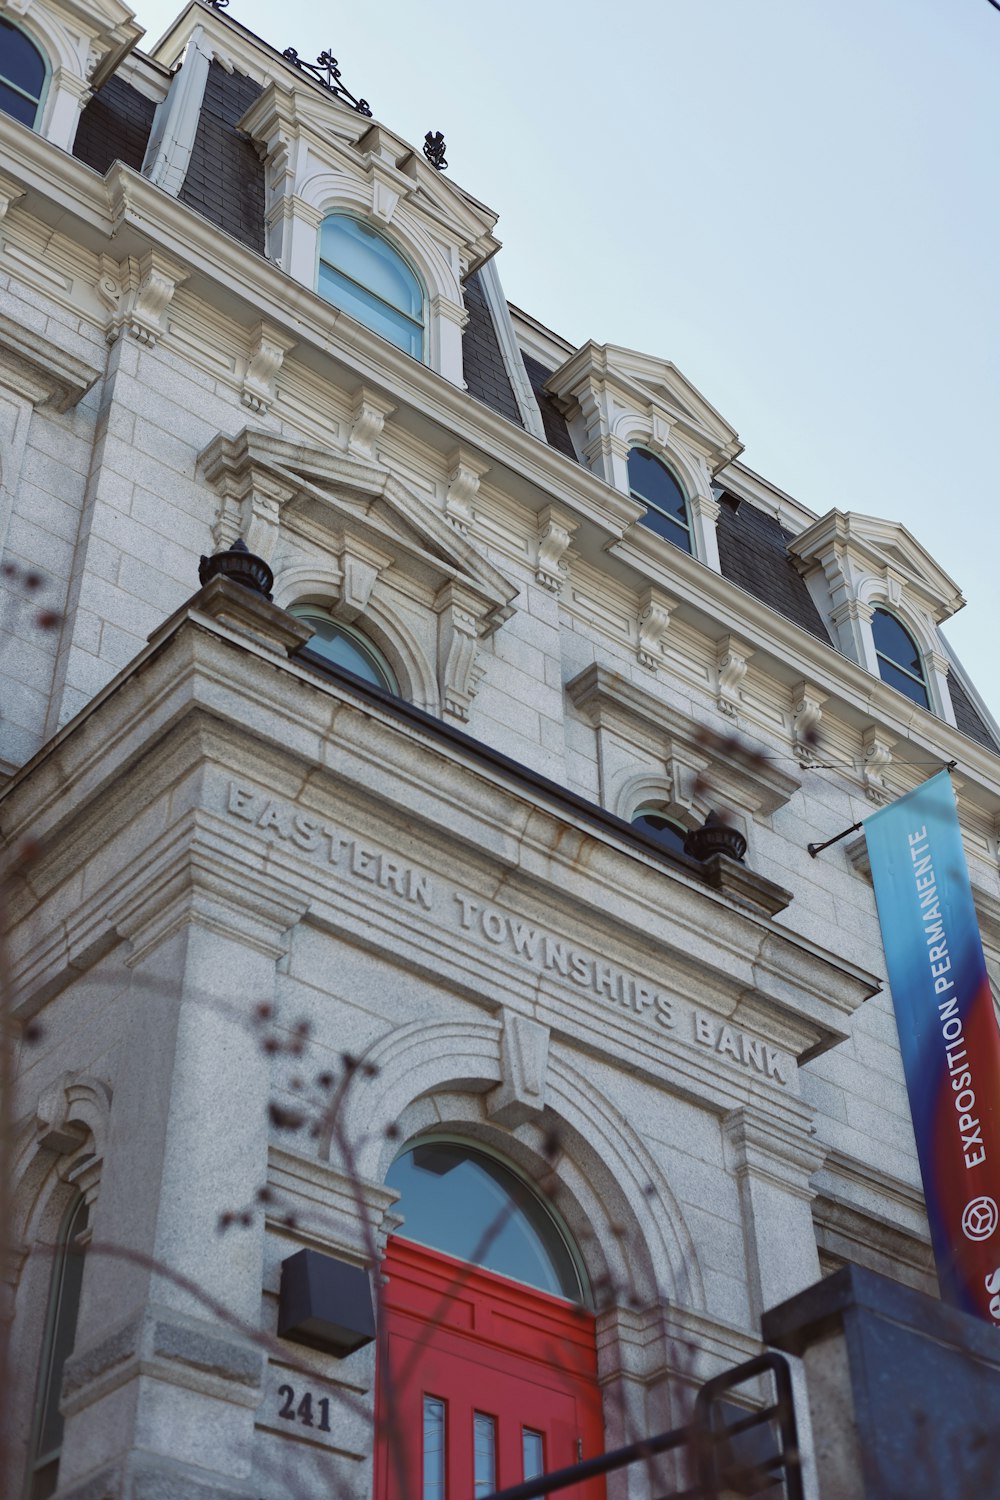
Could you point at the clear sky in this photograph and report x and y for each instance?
(794, 200)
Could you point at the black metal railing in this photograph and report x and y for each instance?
(712, 1440)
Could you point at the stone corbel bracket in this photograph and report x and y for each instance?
(138, 291)
(655, 611)
(732, 657)
(40, 370)
(555, 532)
(251, 498)
(459, 667)
(465, 474)
(807, 713)
(877, 746)
(10, 192)
(268, 347)
(369, 413)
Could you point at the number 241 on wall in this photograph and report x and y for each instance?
(303, 1413)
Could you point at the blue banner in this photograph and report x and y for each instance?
(948, 1033)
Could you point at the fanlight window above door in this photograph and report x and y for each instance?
(468, 1204)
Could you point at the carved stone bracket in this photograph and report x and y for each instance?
(10, 192)
(878, 747)
(655, 610)
(360, 565)
(464, 476)
(459, 668)
(268, 347)
(72, 1120)
(555, 532)
(368, 416)
(807, 711)
(731, 662)
(524, 1059)
(138, 291)
(250, 500)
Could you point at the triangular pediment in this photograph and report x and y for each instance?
(644, 383)
(888, 548)
(331, 496)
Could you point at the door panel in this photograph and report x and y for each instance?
(480, 1344)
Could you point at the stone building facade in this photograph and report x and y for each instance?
(435, 807)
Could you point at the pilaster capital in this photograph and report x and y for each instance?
(780, 1149)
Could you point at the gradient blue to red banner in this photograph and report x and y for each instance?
(948, 1034)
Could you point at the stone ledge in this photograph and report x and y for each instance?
(40, 369)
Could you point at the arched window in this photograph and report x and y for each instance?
(468, 1204)
(666, 831)
(60, 1335)
(652, 483)
(363, 274)
(898, 657)
(22, 75)
(345, 647)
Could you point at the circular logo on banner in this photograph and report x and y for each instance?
(980, 1219)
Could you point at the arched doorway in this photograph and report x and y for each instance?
(487, 1357)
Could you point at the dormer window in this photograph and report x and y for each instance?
(898, 658)
(365, 276)
(651, 483)
(22, 75)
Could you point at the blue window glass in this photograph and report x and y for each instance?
(484, 1454)
(361, 273)
(470, 1205)
(898, 658)
(346, 648)
(22, 75)
(434, 1452)
(652, 483)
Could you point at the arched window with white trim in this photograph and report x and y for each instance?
(898, 658)
(23, 75)
(653, 484)
(367, 277)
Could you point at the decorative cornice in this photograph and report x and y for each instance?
(607, 698)
(40, 370)
(125, 205)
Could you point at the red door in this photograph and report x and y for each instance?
(482, 1382)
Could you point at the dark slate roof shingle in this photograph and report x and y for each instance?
(753, 553)
(225, 178)
(485, 372)
(966, 716)
(114, 126)
(556, 432)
